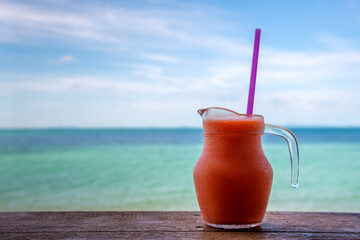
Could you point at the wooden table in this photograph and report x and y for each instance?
(173, 225)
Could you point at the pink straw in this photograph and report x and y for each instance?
(250, 105)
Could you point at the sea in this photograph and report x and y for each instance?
(151, 169)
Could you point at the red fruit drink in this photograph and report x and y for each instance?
(233, 177)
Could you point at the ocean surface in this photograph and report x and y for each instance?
(151, 169)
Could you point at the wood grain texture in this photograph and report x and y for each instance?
(170, 225)
(177, 235)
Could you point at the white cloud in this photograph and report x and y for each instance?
(229, 75)
(290, 89)
(95, 85)
(66, 58)
(335, 42)
(151, 72)
(279, 67)
(328, 107)
(168, 104)
(118, 28)
(161, 58)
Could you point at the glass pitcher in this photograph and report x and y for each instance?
(233, 177)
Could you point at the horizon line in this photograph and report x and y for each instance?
(154, 127)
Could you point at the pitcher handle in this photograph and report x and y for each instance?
(293, 149)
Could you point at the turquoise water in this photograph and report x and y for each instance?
(152, 170)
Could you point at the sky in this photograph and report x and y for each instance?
(153, 63)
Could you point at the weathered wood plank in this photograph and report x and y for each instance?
(178, 235)
(180, 225)
(171, 221)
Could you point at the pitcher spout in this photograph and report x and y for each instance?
(202, 111)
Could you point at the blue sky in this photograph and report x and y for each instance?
(154, 63)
